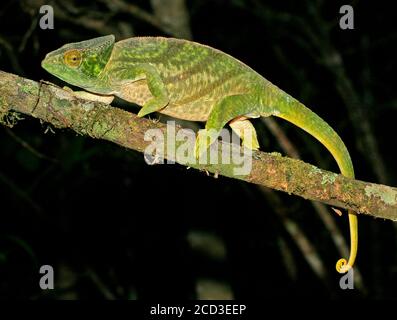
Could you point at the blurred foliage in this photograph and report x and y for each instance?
(113, 227)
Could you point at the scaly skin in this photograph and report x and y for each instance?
(194, 82)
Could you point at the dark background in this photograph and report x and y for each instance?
(113, 227)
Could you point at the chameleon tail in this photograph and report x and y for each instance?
(293, 111)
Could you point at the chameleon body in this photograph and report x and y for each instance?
(194, 82)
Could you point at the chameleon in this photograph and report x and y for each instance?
(195, 82)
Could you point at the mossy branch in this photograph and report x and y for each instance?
(97, 120)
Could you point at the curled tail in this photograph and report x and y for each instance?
(293, 111)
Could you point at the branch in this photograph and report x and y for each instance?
(97, 120)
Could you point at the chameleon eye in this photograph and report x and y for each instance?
(72, 58)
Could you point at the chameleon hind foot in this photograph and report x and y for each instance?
(246, 131)
(205, 138)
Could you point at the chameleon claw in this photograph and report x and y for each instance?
(143, 113)
(337, 211)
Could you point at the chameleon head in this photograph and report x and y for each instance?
(80, 63)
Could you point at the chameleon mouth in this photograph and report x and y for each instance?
(46, 65)
(47, 60)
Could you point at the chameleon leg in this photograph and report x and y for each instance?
(156, 87)
(228, 108)
(246, 131)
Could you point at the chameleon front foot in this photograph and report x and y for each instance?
(153, 105)
(246, 131)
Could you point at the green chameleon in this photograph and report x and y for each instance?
(191, 81)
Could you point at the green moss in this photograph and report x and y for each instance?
(63, 103)
(88, 106)
(103, 129)
(385, 194)
(328, 178)
(314, 170)
(7, 117)
(3, 106)
(277, 154)
(27, 88)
